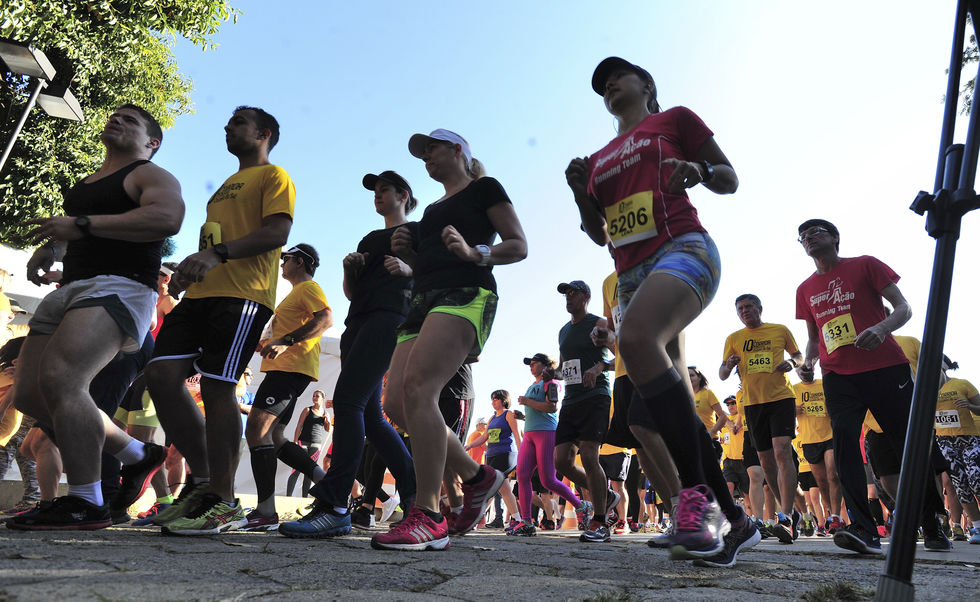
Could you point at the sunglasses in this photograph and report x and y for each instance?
(811, 233)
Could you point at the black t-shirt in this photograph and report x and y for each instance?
(437, 267)
(374, 288)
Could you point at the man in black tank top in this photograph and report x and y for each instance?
(109, 241)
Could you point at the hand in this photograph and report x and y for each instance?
(455, 242)
(40, 261)
(195, 266)
(871, 338)
(354, 262)
(272, 349)
(805, 371)
(577, 176)
(589, 376)
(732, 361)
(785, 366)
(397, 267)
(522, 400)
(54, 228)
(401, 241)
(686, 174)
(599, 335)
(261, 345)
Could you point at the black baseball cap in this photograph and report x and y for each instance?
(607, 66)
(371, 180)
(574, 285)
(810, 223)
(538, 357)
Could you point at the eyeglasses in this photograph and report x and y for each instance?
(811, 233)
(286, 258)
(248, 374)
(730, 403)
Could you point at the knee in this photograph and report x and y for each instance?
(630, 343)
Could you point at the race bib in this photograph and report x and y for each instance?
(760, 362)
(838, 332)
(726, 438)
(617, 316)
(814, 409)
(210, 235)
(493, 435)
(571, 370)
(631, 219)
(947, 419)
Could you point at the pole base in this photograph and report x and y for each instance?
(891, 589)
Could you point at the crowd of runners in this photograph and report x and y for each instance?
(619, 429)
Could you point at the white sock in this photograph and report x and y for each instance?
(90, 492)
(341, 510)
(133, 452)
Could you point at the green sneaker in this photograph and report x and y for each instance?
(212, 516)
(185, 502)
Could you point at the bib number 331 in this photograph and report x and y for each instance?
(838, 332)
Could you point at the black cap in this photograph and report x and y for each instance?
(371, 180)
(575, 285)
(538, 357)
(607, 66)
(810, 223)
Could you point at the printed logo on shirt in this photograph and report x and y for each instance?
(835, 295)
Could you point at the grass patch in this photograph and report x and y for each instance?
(838, 590)
(620, 596)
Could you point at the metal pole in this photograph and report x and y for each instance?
(20, 124)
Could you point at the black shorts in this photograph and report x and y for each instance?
(615, 466)
(619, 433)
(584, 420)
(734, 471)
(458, 414)
(806, 480)
(768, 420)
(278, 393)
(219, 333)
(505, 463)
(882, 455)
(814, 452)
(750, 457)
(536, 485)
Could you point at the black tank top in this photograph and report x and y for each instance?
(313, 430)
(94, 256)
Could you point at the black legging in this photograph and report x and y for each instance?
(313, 451)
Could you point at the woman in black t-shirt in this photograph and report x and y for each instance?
(311, 430)
(453, 304)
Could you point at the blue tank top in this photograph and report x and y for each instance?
(500, 438)
(535, 419)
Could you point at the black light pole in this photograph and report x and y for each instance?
(944, 209)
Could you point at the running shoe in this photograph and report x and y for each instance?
(66, 513)
(119, 515)
(958, 533)
(21, 506)
(321, 521)
(584, 514)
(258, 522)
(416, 532)
(943, 519)
(834, 523)
(210, 517)
(742, 535)
(597, 532)
(934, 536)
(700, 527)
(664, 539)
(821, 531)
(975, 536)
(783, 529)
(136, 477)
(808, 528)
(189, 496)
(548, 525)
(882, 531)
(797, 519)
(612, 503)
(524, 529)
(37, 507)
(475, 498)
(497, 523)
(362, 518)
(856, 539)
(619, 528)
(633, 525)
(513, 524)
(763, 528)
(146, 517)
(389, 506)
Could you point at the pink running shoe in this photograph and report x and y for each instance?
(701, 526)
(475, 498)
(416, 532)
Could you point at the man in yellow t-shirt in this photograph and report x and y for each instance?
(216, 327)
(759, 352)
(817, 444)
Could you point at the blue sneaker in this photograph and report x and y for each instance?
(320, 522)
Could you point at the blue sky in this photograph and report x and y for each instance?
(829, 110)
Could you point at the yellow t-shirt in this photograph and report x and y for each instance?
(761, 350)
(804, 465)
(814, 422)
(234, 211)
(704, 404)
(297, 309)
(952, 421)
(870, 424)
(732, 444)
(610, 309)
(910, 347)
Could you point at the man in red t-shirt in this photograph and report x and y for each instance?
(863, 369)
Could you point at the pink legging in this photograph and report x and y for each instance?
(538, 449)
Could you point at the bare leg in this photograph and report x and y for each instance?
(178, 413)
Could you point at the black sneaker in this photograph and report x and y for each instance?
(612, 502)
(934, 536)
(856, 539)
(136, 477)
(597, 532)
(744, 534)
(797, 517)
(523, 529)
(783, 529)
(497, 523)
(66, 513)
(362, 518)
(119, 515)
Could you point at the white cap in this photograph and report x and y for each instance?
(418, 142)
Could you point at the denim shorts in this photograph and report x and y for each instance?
(692, 257)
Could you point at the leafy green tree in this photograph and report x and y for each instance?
(109, 52)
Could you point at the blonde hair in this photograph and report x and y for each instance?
(476, 170)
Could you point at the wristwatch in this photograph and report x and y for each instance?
(484, 251)
(289, 340)
(709, 171)
(221, 250)
(83, 223)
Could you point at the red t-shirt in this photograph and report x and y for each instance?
(844, 302)
(632, 189)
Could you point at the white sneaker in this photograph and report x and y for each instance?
(389, 506)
